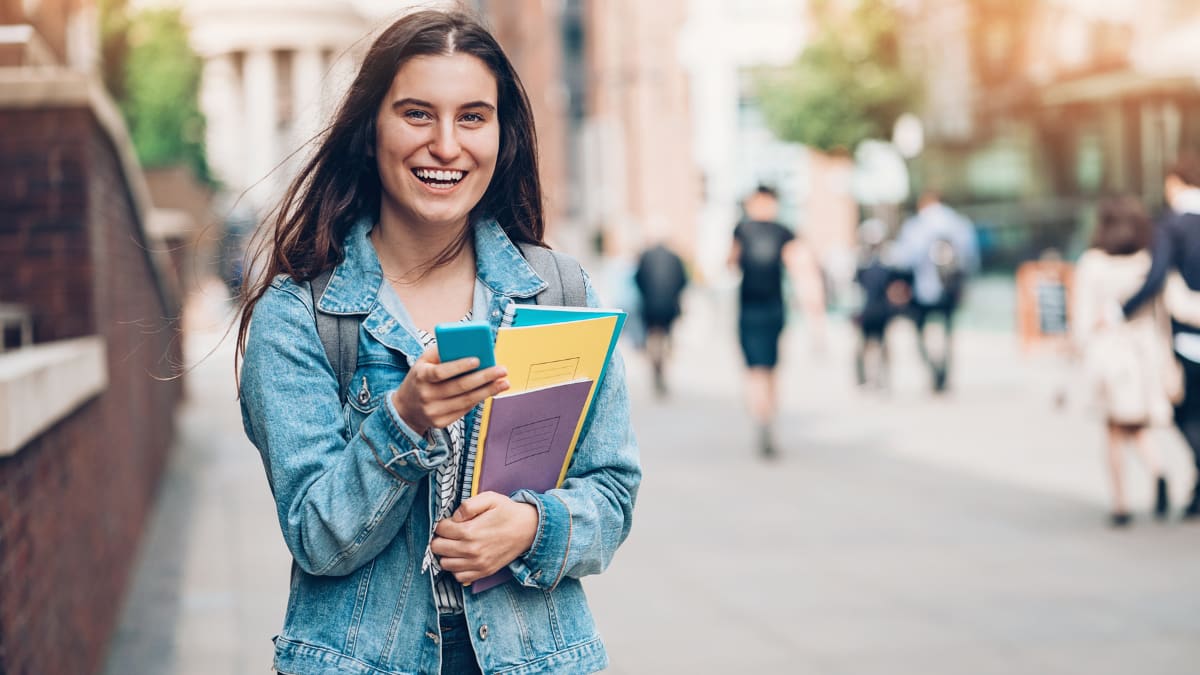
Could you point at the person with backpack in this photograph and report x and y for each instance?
(884, 291)
(660, 278)
(421, 205)
(939, 246)
(763, 249)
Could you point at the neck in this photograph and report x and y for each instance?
(407, 253)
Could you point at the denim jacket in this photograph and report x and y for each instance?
(352, 487)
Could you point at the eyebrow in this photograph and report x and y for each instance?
(426, 104)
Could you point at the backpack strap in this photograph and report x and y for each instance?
(563, 273)
(339, 336)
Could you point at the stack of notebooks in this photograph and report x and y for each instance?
(555, 358)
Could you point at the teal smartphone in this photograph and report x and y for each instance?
(465, 338)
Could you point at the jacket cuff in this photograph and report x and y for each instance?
(546, 562)
(402, 451)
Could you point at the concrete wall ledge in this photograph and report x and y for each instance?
(41, 384)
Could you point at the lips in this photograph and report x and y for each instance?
(440, 178)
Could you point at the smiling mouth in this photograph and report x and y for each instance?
(439, 178)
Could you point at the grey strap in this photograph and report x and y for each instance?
(339, 336)
(563, 273)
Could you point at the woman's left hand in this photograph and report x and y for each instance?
(487, 532)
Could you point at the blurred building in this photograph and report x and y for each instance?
(532, 34)
(88, 306)
(273, 72)
(637, 136)
(1034, 108)
(722, 46)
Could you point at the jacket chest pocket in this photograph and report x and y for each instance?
(370, 384)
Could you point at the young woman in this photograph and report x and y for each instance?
(1130, 361)
(414, 199)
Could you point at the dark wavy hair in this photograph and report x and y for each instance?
(1122, 226)
(340, 184)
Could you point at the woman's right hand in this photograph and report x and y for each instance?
(435, 394)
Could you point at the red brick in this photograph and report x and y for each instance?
(74, 500)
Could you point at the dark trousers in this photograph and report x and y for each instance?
(1187, 413)
(938, 362)
(871, 341)
(458, 657)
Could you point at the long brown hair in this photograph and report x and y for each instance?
(340, 184)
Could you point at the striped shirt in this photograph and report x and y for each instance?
(448, 480)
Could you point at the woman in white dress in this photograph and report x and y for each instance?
(1129, 361)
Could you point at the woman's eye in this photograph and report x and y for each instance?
(419, 115)
(472, 118)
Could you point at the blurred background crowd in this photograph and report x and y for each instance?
(925, 165)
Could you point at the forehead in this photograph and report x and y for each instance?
(444, 79)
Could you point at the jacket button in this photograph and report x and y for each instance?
(483, 631)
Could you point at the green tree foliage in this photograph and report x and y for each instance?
(154, 75)
(846, 86)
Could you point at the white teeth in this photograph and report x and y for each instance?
(439, 176)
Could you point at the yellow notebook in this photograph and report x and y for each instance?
(540, 356)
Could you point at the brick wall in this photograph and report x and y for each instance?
(73, 501)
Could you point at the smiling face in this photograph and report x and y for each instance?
(437, 136)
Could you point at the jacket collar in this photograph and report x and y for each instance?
(354, 285)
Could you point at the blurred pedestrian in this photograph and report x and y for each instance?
(883, 294)
(939, 246)
(1127, 361)
(1176, 248)
(762, 249)
(418, 207)
(660, 278)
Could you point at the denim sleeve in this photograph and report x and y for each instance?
(581, 524)
(340, 500)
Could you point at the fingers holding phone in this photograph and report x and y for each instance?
(451, 378)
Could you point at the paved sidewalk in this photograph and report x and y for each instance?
(961, 534)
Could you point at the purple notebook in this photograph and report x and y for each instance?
(528, 437)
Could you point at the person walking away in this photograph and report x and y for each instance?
(1177, 248)
(762, 249)
(940, 248)
(1125, 360)
(419, 206)
(660, 278)
(882, 292)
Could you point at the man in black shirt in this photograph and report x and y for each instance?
(1177, 247)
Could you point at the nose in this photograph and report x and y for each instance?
(444, 145)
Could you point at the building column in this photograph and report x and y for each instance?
(261, 125)
(221, 102)
(308, 71)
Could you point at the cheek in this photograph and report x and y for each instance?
(489, 152)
